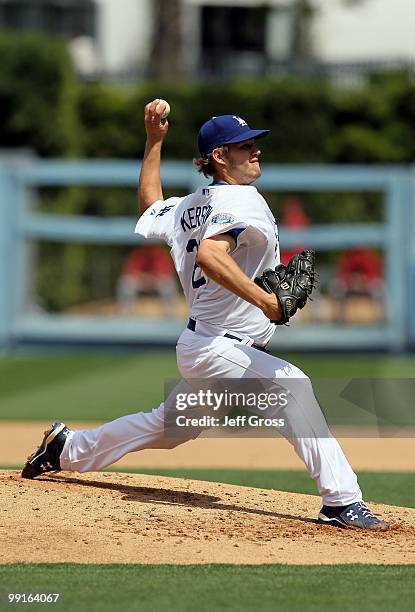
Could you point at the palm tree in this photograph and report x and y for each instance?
(165, 57)
(302, 47)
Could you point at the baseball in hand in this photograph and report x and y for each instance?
(163, 107)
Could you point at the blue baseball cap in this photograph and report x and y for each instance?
(225, 129)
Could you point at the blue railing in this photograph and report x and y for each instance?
(19, 225)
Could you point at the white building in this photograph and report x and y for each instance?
(365, 31)
(371, 30)
(229, 35)
(124, 33)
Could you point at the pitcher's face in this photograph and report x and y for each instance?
(242, 162)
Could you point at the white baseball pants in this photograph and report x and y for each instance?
(203, 357)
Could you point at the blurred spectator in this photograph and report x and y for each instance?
(293, 217)
(147, 271)
(359, 274)
(359, 271)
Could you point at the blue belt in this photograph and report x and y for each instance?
(191, 324)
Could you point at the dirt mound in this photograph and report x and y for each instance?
(130, 518)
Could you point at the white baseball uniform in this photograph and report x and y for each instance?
(204, 350)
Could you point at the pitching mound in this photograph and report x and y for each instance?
(125, 518)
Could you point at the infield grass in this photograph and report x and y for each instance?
(85, 386)
(207, 588)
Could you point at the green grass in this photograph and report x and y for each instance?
(84, 386)
(207, 588)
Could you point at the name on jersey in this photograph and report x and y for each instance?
(195, 216)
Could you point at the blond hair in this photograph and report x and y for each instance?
(206, 164)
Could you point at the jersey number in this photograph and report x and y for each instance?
(190, 247)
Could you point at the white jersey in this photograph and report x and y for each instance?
(184, 222)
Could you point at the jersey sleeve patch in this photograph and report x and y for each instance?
(222, 218)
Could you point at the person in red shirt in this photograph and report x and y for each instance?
(293, 217)
(359, 274)
(148, 270)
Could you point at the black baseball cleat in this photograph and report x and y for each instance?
(46, 457)
(355, 515)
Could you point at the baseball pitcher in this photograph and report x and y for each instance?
(224, 244)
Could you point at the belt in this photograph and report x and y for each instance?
(191, 324)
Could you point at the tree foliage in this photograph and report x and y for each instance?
(44, 108)
(37, 96)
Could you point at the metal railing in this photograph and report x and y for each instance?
(19, 225)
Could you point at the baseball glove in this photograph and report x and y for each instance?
(292, 284)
